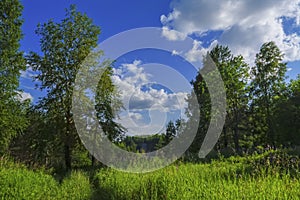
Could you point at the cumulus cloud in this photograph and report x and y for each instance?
(172, 35)
(246, 24)
(196, 53)
(135, 88)
(139, 97)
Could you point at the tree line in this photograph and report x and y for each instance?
(262, 108)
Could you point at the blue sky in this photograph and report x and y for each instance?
(112, 16)
(242, 25)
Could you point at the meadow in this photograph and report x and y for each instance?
(60, 93)
(270, 175)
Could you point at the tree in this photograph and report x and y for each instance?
(107, 106)
(65, 46)
(203, 110)
(170, 131)
(267, 88)
(234, 72)
(12, 112)
(287, 116)
(38, 144)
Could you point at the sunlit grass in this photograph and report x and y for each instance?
(234, 178)
(218, 180)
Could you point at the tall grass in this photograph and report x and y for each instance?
(218, 180)
(265, 176)
(17, 182)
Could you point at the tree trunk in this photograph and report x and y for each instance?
(67, 156)
(93, 161)
(236, 139)
(68, 138)
(225, 137)
(236, 133)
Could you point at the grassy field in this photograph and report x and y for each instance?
(260, 177)
(17, 182)
(219, 180)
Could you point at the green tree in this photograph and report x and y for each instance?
(12, 112)
(65, 46)
(287, 116)
(38, 144)
(234, 72)
(267, 88)
(107, 106)
(203, 110)
(170, 131)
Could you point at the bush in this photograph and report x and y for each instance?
(274, 162)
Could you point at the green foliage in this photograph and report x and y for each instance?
(260, 110)
(38, 144)
(108, 105)
(170, 131)
(265, 111)
(287, 116)
(267, 88)
(275, 163)
(234, 73)
(12, 119)
(65, 46)
(202, 97)
(145, 144)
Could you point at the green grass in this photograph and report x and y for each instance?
(17, 182)
(234, 178)
(198, 181)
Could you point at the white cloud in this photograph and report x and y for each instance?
(130, 78)
(139, 97)
(24, 96)
(172, 16)
(175, 53)
(246, 24)
(172, 34)
(28, 73)
(135, 116)
(196, 53)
